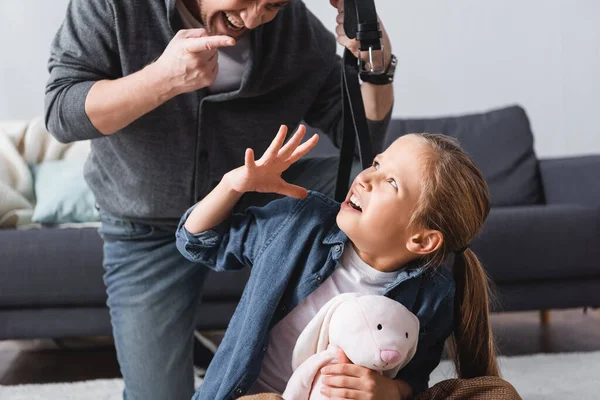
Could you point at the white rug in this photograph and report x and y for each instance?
(547, 377)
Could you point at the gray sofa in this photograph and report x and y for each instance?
(540, 244)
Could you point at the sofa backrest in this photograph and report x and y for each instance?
(501, 144)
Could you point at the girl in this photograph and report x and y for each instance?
(422, 200)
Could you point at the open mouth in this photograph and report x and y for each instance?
(231, 22)
(355, 202)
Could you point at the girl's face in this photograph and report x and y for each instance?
(234, 17)
(381, 201)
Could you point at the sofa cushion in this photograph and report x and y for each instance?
(501, 144)
(53, 267)
(540, 243)
(62, 195)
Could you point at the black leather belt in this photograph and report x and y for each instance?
(360, 22)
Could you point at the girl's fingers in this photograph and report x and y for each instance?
(290, 190)
(339, 393)
(303, 149)
(341, 381)
(249, 158)
(293, 143)
(343, 369)
(276, 144)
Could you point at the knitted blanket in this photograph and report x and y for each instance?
(23, 144)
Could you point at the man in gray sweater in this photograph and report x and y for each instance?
(172, 92)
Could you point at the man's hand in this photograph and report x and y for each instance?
(353, 44)
(264, 175)
(349, 381)
(190, 61)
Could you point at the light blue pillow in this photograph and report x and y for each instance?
(62, 195)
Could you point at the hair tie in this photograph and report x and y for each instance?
(462, 251)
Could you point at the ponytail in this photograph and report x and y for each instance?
(455, 201)
(472, 341)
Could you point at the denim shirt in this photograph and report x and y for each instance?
(292, 247)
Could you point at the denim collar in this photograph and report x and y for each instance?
(335, 236)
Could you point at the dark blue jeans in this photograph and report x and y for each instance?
(154, 292)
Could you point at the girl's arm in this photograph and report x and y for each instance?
(263, 175)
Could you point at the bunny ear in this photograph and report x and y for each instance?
(315, 337)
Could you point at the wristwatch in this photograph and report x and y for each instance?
(381, 79)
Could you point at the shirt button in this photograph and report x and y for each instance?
(264, 349)
(239, 391)
(319, 278)
(337, 248)
(283, 308)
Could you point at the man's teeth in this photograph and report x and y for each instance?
(235, 23)
(355, 201)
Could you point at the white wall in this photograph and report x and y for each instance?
(464, 55)
(26, 30)
(455, 56)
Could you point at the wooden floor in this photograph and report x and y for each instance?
(94, 358)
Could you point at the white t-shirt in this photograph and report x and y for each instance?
(232, 60)
(351, 275)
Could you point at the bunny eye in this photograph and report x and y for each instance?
(407, 335)
(379, 327)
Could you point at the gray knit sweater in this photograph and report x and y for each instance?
(158, 166)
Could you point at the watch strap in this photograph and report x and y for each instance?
(381, 79)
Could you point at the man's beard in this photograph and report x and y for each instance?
(202, 14)
(195, 8)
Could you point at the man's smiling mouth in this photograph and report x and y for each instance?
(232, 22)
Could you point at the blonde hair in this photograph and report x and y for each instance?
(455, 201)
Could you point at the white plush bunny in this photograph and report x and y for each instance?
(374, 331)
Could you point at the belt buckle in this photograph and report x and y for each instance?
(376, 63)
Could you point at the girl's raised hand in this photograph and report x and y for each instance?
(264, 174)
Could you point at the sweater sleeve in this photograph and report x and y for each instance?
(83, 52)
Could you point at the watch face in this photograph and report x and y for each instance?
(392, 66)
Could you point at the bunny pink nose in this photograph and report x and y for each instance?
(390, 356)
